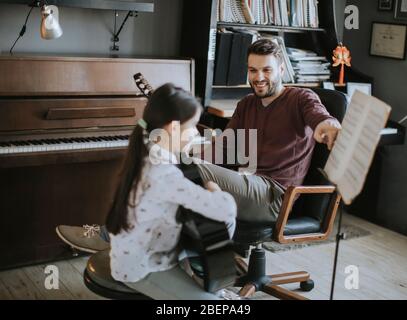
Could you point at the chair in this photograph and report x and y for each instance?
(97, 278)
(310, 218)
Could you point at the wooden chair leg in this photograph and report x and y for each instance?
(247, 291)
(241, 266)
(282, 293)
(290, 277)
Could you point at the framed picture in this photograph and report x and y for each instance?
(401, 10)
(388, 40)
(385, 5)
(351, 87)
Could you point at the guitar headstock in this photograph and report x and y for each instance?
(143, 85)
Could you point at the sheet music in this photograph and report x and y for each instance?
(352, 155)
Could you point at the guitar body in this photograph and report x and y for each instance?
(208, 238)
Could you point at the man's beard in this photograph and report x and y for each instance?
(272, 88)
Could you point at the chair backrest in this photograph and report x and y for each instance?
(316, 205)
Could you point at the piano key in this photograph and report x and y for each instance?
(63, 144)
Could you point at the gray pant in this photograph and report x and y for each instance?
(258, 198)
(173, 284)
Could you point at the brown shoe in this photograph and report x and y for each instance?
(84, 238)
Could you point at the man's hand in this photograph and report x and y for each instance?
(327, 131)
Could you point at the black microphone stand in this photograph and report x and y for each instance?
(339, 236)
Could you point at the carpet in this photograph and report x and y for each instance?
(350, 230)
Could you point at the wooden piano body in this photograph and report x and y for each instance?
(48, 104)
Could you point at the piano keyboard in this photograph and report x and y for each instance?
(63, 144)
(66, 144)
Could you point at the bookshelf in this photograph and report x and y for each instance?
(246, 86)
(268, 28)
(198, 40)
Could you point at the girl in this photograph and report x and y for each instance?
(142, 223)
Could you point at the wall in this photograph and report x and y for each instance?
(390, 86)
(88, 31)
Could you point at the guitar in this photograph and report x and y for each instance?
(206, 238)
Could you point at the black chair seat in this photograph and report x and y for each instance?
(98, 279)
(248, 233)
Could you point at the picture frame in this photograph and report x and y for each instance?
(388, 40)
(385, 5)
(351, 87)
(400, 11)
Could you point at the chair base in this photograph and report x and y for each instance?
(253, 278)
(109, 293)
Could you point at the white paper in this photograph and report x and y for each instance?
(353, 152)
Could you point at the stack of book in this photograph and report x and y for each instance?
(308, 66)
(294, 13)
(289, 73)
(231, 57)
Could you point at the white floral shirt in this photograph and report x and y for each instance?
(150, 245)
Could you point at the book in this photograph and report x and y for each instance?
(247, 12)
(312, 78)
(355, 146)
(237, 11)
(223, 47)
(288, 76)
(316, 58)
(284, 13)
(237, 71)
(313, 72)
(277, 13)
(296, 52)
(234, 60)
(295, 13)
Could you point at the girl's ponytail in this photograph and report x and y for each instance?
(130, 177)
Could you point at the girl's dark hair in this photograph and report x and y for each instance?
(168, 103)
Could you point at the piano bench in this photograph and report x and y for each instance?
(98, 279)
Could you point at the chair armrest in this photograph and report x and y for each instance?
(286, 208)
(201, 128)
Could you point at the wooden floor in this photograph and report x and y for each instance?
(381, 258)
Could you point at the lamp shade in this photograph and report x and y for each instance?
(50, 27)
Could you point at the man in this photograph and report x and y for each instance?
(288, 122)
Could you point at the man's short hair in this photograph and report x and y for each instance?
(265, 47)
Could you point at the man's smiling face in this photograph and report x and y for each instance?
(265, 74)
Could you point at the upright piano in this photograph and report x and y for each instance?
(64, 128)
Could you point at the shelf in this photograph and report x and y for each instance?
(259, 27)
(99, 4)
(222, 108)
(243, 86)
(246, 86)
